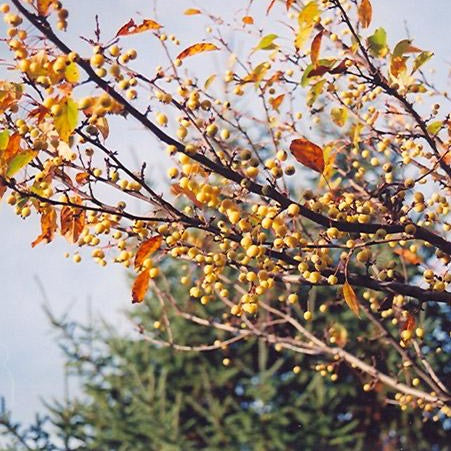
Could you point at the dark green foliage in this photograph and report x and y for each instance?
(136, 396)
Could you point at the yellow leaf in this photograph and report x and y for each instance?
(19, 161)
(140, 286)
(276, 101)
(192, 11)
(257, 74)
(267, 42)
(351, 298)
(314, 50)
(365, 12)
(48, 227)
(306, 23)
(71, 73)
(197, 48)
(339, 116)
(147, 248)
(308, 154)
(66, 122)
(209, 81)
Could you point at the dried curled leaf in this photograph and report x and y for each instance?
(140, 286)
(314, 50)
(132, 28)
(308, 154)
(271, 4)
(365, 13)
(351, 298)
(10, 93)
(72, 222)
(48, 227)
(197, 48)
(147, 248)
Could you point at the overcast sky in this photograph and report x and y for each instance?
(30, 361)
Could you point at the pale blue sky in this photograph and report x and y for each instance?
(30, 362)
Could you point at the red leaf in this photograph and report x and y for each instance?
(316, 45)
(308, 154)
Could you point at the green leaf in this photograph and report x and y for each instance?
(4, 139)
(434, 127)
(19, 161)
(66, 122)
(377, 42)
(402, 47)
(305, 79)
(421, 59)
(266, 42)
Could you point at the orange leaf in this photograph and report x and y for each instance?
(177, 190)
(276, 101)
(140, 286)
(365, 12)
(314, 50)
(147, 248)
(40, 112)
(12, 148)
(48, 227)
(351, 298)
(248, 20)
(308, 154)
(289, 3)
(44, 6)
(271, 4)
(197, 48)
(408, 256)
(132, 28)
(192, 11)
(82, 178)
(72, 223)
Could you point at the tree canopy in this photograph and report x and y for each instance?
(307, 205)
